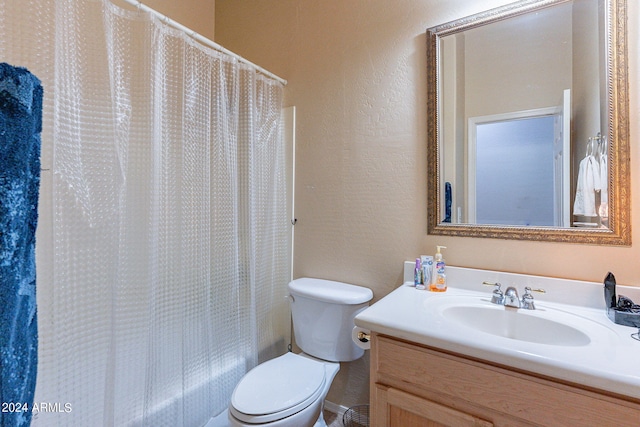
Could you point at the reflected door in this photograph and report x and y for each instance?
(518, 168)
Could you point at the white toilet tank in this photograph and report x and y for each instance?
(323, 313)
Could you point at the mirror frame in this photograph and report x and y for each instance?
(619, 231)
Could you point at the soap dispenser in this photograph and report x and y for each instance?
(439, 282)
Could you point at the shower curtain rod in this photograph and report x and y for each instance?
(205, 41)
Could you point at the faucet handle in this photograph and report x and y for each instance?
(527, 298)
(498, 296)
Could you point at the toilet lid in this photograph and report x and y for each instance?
(278, 388)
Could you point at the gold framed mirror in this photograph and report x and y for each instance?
(569, 179)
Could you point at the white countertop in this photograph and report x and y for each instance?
(611, 361)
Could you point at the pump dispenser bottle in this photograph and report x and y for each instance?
(439, 282)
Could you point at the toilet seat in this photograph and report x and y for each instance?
(277, 389)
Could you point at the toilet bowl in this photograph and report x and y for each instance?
(289, 391)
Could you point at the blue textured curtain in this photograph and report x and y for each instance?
(20, 127)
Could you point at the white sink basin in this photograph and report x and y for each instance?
(471, 315)
(516, 324)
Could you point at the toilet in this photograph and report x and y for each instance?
(289, 391)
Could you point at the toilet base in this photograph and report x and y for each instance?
(321, 422)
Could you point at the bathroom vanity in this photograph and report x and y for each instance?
(457, 359)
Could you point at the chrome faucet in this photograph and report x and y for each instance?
(527, 298)
(497, 297)
(510, 297)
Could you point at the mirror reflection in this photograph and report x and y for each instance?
(525, 120)
(507, 88)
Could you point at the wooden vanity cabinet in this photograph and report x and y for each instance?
(418, 386)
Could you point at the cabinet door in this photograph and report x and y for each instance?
(395, 408)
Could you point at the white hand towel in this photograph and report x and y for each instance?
(588, 181)
(603, 210)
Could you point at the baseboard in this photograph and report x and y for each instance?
(335, 408)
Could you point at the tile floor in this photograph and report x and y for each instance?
(332, 419)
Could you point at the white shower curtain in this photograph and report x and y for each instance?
(163, 248)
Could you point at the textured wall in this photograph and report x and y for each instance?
(356, 73)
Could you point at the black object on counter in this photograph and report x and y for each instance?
(623, 311)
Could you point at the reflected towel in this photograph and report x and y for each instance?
(603, 210)
(20, 127)
(448, 199)
(588, 184)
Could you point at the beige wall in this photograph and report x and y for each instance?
(495, 83)
(356, 73)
